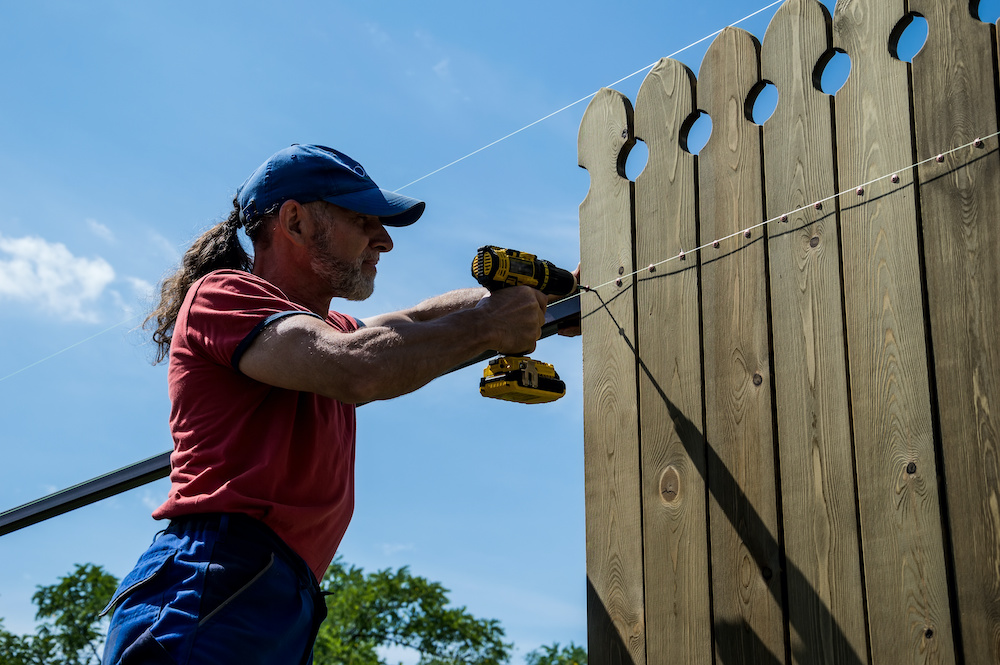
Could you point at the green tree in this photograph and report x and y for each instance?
(395, 608)
(382, 609)
(70, 633)
(553, 655)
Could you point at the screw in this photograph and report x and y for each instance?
(681, 256)
(747, 233)
(625, 133)
(652, 268)
(978, 143)
(861, 191)
(819, 205)
(757, 379)
(618, 282)
(939, 158)
(784, 218)
(895, 178)
(715, 244)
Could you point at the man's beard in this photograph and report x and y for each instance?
(347, 280)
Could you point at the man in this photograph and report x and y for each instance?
(263, 379)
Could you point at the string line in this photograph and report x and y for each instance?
(70, 347)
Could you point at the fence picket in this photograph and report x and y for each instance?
(826, 607)
(954, 98)
(616, 617)
(678, 612)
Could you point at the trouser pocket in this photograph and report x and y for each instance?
(145, 574)
(224, 586)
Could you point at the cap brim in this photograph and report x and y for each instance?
(392, 208)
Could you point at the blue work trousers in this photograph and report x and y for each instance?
(219, 588)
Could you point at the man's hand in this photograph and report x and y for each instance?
(516, 316)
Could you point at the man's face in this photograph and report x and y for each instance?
(345, 249)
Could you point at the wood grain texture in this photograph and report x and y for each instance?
(903, 556)
(954, 102)
(675, 528)
(746, 572)
(825, 603)
(616, 616)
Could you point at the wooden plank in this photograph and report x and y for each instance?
(954, 100)
(675, 529)
(746, 571)
(903, 556)
(615, 614)
(825, 603)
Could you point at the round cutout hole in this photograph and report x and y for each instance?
(695, 132)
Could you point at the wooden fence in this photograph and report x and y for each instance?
(790, 448)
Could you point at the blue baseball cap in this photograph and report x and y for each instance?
(307, 173)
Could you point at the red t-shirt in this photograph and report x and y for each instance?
(281, 456)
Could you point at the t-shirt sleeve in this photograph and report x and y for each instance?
(227, 310)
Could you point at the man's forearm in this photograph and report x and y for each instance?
(432, 308)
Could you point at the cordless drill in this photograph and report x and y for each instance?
(519, 378)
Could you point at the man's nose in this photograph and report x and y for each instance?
(381, 240)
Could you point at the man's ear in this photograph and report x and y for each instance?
(293, 222)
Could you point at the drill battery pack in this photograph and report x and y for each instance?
(521, 379)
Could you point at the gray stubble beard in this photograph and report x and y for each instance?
(348, 280)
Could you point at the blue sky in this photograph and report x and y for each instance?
(124, 132)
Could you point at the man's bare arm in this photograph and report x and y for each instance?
(385, 361)
(432, 308)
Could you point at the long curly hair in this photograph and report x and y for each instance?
(217, 248)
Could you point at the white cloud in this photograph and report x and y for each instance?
(50, 277)
(170, 250)
(442, 69)
(142, 288)
(100, 230)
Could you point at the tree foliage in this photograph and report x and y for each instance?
(388, 608)
(396, 608)
(70, 632)
(553, 655)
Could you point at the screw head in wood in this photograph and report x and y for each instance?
(715, 244)
(757, 379)
(895, 178)
(939, 158)
(861, 191)
(747, 233)
(618, 282)
(652, 268)
(979, 143)
(682, 256)
(784, 218)
(818, 205)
